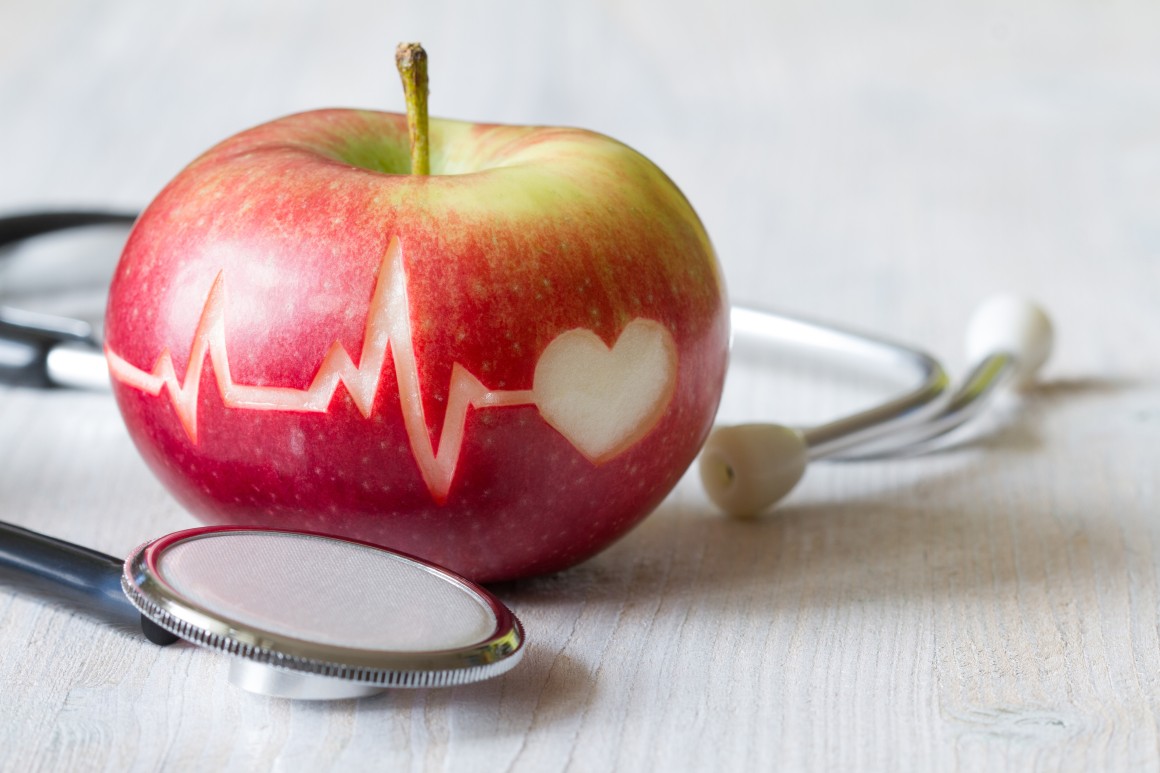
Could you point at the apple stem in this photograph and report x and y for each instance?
(411, 60)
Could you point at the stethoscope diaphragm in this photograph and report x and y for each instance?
(311, 616)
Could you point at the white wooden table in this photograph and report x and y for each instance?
(990, 608)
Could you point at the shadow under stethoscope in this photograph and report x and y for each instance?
(881, 531)
(928, 541)
(907, 533)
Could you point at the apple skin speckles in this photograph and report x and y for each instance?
(522, 234)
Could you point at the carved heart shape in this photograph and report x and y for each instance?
(605, 400)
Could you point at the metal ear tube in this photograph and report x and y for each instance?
(748, 468)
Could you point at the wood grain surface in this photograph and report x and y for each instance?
(886, 165)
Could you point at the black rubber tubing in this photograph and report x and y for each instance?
(76, 576)
(17, 228)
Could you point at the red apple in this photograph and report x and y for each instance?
(501, 367)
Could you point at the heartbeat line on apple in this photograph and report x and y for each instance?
(601, 400)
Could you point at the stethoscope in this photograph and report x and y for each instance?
(406, 622)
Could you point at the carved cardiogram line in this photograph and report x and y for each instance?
(388, 322)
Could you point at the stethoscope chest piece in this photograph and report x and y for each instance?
(310, 616)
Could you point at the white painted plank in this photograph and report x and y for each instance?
(993, 608)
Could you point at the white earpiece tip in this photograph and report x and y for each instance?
(1015, 326)
(748, 467)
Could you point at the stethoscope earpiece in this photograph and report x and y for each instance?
(1015, 326)
(746, 468)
